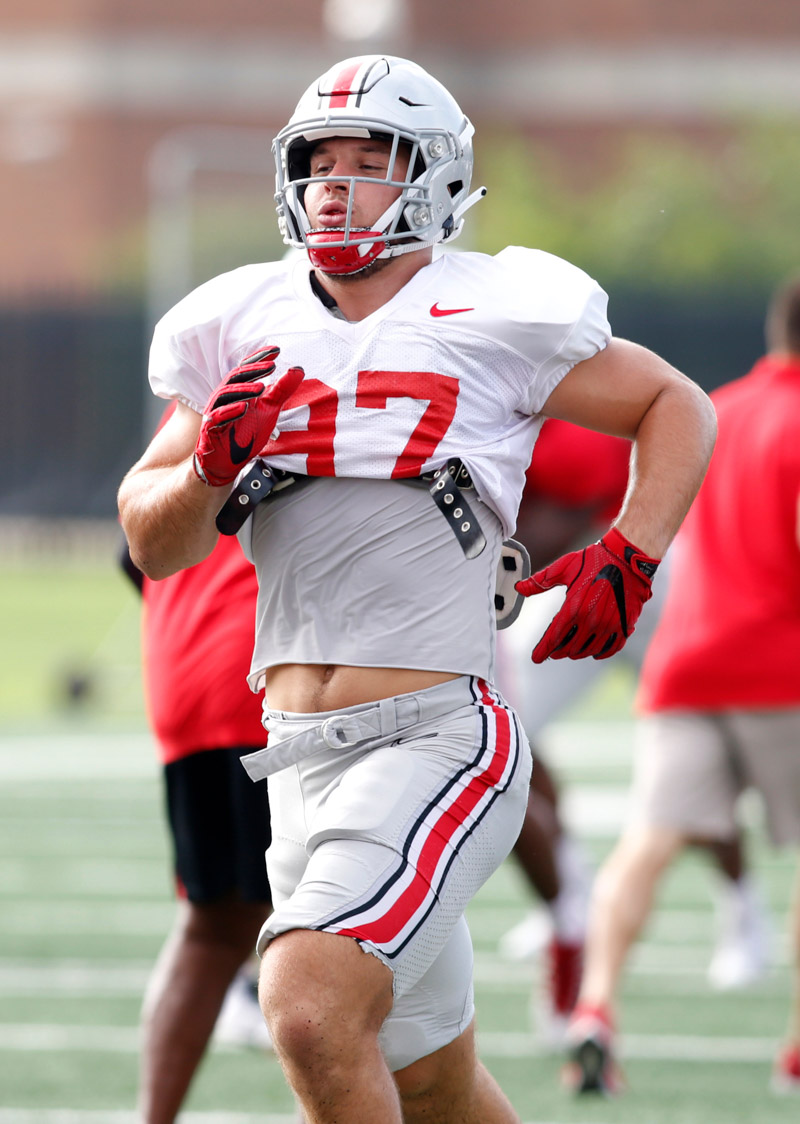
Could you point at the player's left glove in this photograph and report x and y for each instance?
(607, 584)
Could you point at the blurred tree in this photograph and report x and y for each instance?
(670, 213)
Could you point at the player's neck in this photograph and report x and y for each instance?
(358, 297)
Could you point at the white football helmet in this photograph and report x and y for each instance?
(396, 99)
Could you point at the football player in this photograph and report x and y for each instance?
(386, 404)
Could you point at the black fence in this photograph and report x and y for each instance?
(74, 387)
(72, 407)
(713, 336)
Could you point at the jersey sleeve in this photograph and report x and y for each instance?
(560, 317)
(202, 337)
(184, 356)
(588, 334)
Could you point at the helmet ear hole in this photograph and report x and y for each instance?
(298, 164)
(455, 187)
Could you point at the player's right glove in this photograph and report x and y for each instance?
(240, 416)
(607, 585)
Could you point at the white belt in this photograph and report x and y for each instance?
(295, 736)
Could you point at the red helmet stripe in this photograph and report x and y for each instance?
(343, 86)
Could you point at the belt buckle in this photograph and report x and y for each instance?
(334, 728)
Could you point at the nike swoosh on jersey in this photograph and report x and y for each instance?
(436, 311)
(239, 453)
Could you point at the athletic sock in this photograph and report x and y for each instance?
(568, 909)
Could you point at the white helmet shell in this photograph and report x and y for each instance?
(398, 100)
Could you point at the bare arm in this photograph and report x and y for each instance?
(629, 391)
(167, 512)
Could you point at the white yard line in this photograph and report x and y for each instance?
(493, 1044)
(142, 917)
(653, 1047)
(77, 757)
(656, 966)
(72, 977)
(96, 756)
(61, 1038)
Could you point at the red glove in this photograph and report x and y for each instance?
(240, 416)
(607, 585)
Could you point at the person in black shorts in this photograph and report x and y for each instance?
(196, 631)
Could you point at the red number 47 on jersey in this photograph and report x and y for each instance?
(373, 391)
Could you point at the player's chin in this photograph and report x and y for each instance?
(365, 271)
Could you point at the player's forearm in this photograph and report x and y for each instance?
(168, 516)
(671, 453)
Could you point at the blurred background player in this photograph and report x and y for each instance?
(197, 637)
(574, 488)
(720, 687)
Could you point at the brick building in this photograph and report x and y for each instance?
(89, 87)
(134, 161)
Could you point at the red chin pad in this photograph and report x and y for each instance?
(343, 259)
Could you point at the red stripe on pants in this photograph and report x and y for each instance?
(385, 929)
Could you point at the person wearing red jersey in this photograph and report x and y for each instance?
(197, 629)
(388, 403)
(575, 485)
(720, 687)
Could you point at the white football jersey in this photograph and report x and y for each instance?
(458, 364)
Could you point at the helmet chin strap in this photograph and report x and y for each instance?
(338, 259)
(370, 245)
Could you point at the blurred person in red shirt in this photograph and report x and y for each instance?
(574, 488)
(197, 638)
(719, 693)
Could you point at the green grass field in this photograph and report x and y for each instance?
(86, 901)
(71, 623)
